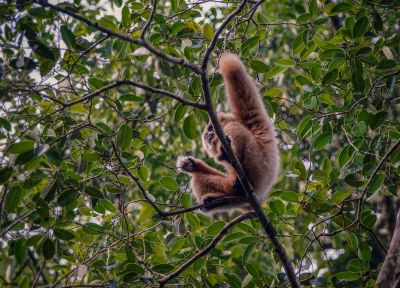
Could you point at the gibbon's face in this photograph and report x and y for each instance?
(210, 139)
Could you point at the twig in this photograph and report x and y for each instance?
(207, 249)
(148, 23)
(136, 180)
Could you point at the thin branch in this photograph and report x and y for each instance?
(9, 227)
(207, 249)
(136, 180)
(218, 32)
(148, 23)
(373, 175)
(208, 206)
(109, 32)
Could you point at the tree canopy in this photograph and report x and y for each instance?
(99, 98)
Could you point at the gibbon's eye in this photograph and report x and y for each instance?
(210, 127)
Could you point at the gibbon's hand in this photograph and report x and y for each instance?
(186, 164)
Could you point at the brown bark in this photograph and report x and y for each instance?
(387, 275)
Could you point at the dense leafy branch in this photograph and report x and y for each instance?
(124, 37)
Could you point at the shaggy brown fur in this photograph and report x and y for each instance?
(252, 137)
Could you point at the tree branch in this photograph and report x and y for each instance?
(387, 275)
(140, 42)
(118, 83)
(207, 249)
(218, 32)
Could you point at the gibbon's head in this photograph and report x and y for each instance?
(209, 138)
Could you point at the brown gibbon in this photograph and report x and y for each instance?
(252, 137)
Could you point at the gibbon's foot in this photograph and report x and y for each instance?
(207, 200)
(186, 164)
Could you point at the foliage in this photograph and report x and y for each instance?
(86, 155)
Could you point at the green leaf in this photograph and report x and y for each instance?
(42, 50)
(354, 180)
(326, 99)
(355, 265)
(96, 82)
(347, 276)
(386, 64)
(143, 173)
(259, 66)
(339, 196)
(67, 197)
(290, 196)
(13, 198)
(285, 62)
(299, 169)
(247, 253)
(177, 245)
(359, 129)
(124, 137)
(250, 43)
(304, 127)
(94, 192)
(169, 183)
(131, 98)
(189, 127)
(215, 227)
(5, 174)
(126, 17)
(330, 77)
(21, 147)
(24, 282)
(277, 206)
(208, 31)
(48, 249)
(163, 268)
(313, 7)
(130, 256)
(108, 22)
(360, 27)
(357, 76)
(274, 92)
(63, 234)
(341, 7)
(108, 205)
(68, 37)
(43, 209)
(376, 184)
(20, 250)
(233, 280)
(92, 228)
(322, 140)
(275, 71)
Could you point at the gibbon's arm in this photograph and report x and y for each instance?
(243, 96)
(207, 183)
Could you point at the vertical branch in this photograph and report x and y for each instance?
(387, 275)
(266, 224)
(148, 23)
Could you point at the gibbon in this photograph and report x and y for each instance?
(252, 137)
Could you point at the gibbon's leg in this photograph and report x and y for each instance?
(207, 183)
